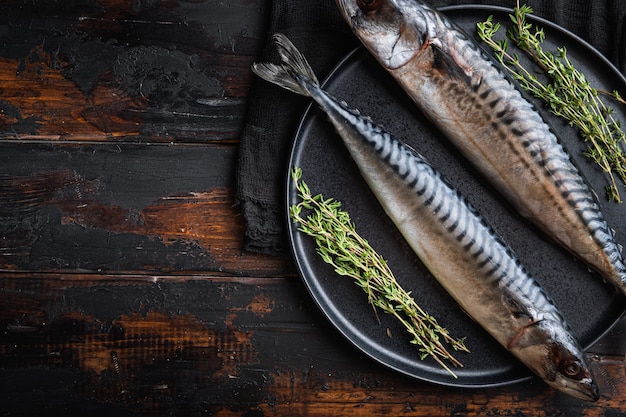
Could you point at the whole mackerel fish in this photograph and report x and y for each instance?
(460, 89)
(454, 242)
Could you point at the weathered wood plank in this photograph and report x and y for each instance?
(224, 346)
(123, 286)
(111, 70)
(123, 208)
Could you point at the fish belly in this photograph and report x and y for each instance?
(453, 241)
(506, 139)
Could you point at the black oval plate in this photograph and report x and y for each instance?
(590, 306)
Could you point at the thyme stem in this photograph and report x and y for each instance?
(339, 245)
(569, 94)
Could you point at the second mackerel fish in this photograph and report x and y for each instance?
(453, 241)
(460, 89)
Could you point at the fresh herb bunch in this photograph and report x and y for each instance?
(351, 255)
(569, 94)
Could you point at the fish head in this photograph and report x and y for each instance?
(570, 373)
(393, 30)
(554, 355)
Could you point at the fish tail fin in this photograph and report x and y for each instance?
(294, 74)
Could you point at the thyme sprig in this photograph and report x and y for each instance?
(339, 245)
(569, 94)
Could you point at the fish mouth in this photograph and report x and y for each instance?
(585, 389)
(392, 39)
(348, 8)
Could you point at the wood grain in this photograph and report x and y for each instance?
(226, 346)
(124, 289)
(108, 71)
(123, 208)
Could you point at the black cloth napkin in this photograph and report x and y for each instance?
(318, 30)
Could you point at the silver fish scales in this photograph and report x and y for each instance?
(450, 237)
(482, 113)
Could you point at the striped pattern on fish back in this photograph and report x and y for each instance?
(513, 116)
(496, 267)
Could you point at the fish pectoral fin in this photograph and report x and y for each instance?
(526, 337)
(447, 65)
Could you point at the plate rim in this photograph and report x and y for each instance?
(293, 234)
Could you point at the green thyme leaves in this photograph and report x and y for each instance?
(568, 93)
(339, 245)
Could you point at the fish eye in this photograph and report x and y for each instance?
(567, 364)
(571, 369)
(368, 5)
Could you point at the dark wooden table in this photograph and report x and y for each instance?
(124, 289)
